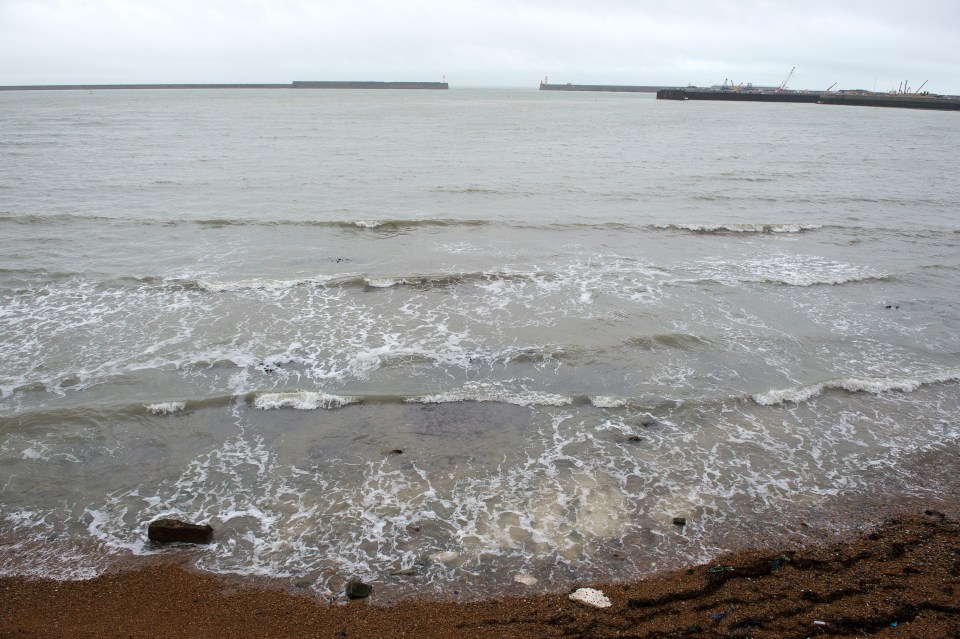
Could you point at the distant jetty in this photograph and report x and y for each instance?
(850, 98)
(296, 84)
(611, 88)
(315, 84)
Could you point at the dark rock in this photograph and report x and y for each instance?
(679, 521)
(356, 589)
(167, 531)
(647, 423)
(634, 438)
(395, 451)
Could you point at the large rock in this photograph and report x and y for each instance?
(356, 589)
(167, 531)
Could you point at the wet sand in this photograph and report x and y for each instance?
(901, 578)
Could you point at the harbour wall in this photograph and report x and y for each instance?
(937, 103)
(613, 88)
(318, 84)
(298, 84)
(933, 102)
(736, 96)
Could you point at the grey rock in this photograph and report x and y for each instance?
(166, 531)
(356, 589)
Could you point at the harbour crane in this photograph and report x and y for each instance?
(783, 85)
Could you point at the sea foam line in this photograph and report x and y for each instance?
(302, 400)
(490, 393)
(166, 408)
(740, 228)
(875, 385)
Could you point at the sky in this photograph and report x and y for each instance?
(875, 44)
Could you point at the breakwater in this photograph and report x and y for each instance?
(316, 84)
(613, 88)
(297, 84)
(934, 102)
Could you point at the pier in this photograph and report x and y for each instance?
(901, 101)
(611, 88)
(296, 84)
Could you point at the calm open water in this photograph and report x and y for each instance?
(578, 316)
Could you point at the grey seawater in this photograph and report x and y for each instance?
(440, 340)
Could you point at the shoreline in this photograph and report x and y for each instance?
(900, 575)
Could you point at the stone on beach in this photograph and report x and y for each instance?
(356, 589)
(167, 531)
(525, 579)
(590, 597)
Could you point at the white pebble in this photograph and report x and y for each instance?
(525, 579)
(590, 597)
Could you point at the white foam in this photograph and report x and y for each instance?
(259, 284)
(603, 401)
(368, 224)
(301, 400)
(165, 408)
(493, 392)
(805, 271)
(741, 228)
(382, 282)
(874, 385)
(792, 270)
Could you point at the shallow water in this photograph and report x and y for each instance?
(576, 317)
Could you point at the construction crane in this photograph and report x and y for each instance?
(830, 87)
(921, 86)
(783, 85)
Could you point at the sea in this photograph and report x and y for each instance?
(468, 342)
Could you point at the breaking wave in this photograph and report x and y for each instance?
(874, 385)
(302, 400)
(740, 228)
(494, 392)
(166, 408)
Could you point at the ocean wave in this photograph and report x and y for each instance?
(874, 385)
(492, 392)
(790, 270)
(302, 400)
(256, 284)
(345, 224)
(815, 279)
(166, 408)
(605, 401)
(358, 281)
(679, 341)
(60, 218)
(740, 228)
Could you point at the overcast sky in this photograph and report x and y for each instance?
(857, 44)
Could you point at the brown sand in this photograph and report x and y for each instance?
(900, 580)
